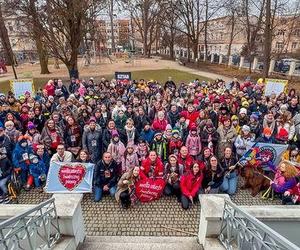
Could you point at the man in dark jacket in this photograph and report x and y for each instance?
(140, 119)
(105, 177)
(92, 140)
(5, 173)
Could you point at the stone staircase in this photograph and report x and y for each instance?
(140, 243)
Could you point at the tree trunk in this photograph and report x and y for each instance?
(6, 43)
(172, 56)
(205, 30)
(43, 57)
(72, 65)
(267, 40)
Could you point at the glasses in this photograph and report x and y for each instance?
(213, 160)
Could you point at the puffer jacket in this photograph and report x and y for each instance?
(190, 184)
(92, 142)
(193, 143)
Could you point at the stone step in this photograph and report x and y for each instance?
(140, 243)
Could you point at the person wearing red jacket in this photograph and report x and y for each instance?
(185, 159)
(190, 185)
(160, 123)
(50, 88)
(190, 114)
(152, 166)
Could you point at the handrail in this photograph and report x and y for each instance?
(241, 229)
(36, 228)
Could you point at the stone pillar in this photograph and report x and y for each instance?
(272, 65)
(242, 62)
(230, 61)
(212, 206)
(292, 68)
(255, 62)
(70, 217)
(220, 59)
(212, 58)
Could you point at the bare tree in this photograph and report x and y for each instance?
(145, 15)
(27, 13)
(6, 43)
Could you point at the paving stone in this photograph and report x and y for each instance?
(107, 218)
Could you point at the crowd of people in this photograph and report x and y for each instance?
(191, 135)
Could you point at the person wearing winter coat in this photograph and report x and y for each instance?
(130, 159)
(43, 155)
(190, 114)
(160, 146)
(255, 126)
(37, 170)
(160, 123)
(107, 134)
(33, 134)
(6, 145)
(147, 133)
(12, 132)
(227, 136)
(125, 193)
(182, 126)
(285, 176)
(72, 136)
(116, 148)
(175, 143)
(141, 119)
(185, 159)
(190, 185)
(168, 133)
(292, 154)
(120, 120)
(152, 166)
(173, 172)
(105, 177)
(6, 169)
(21, 159)
(51, 136)
(243, 141)
(292, 195)
(209, 137)
(213, 177)
(230, 181)
(173, 115)
(193, 142)
(266, 137)
(102, 116)
(131, 135)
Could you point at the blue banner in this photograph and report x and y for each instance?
(267, 151)
(70, 177)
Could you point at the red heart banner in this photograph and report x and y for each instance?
(149, 189)
(71, 176)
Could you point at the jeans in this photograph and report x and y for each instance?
(3, 185)
(172, 189)
(229, 184)
(186, 202)
(99, 192)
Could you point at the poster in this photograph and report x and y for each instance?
(149, 189)
(121, 76)
(70, 177)
(275, 86)
(19, 86)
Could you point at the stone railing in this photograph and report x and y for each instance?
(243, 231)
(36, 228)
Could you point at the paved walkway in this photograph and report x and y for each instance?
(158, 218)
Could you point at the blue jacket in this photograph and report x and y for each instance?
(37, 169)
(147, 135)
(21, 156)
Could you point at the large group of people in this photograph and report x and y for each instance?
(190, 135)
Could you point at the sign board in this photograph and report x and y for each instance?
(19, 87)
(67, 177)
(121, 76)
(275, 86)
(149, 189)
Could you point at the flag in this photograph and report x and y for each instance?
(260, 153)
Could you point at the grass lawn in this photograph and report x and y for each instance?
(159, 75)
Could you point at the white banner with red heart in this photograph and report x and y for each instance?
(67, 177)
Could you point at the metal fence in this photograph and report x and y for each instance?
(240, 230)
(36, 228)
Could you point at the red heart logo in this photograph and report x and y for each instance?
(71, 176)
(149, 189)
